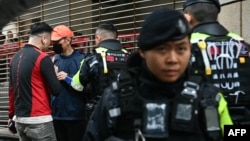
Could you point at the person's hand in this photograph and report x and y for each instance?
(11, 126)
(9, 121)
(56, 69)
(61, 75)
(53, 59)
(188, 17)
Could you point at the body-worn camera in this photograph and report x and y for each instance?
(185, 109)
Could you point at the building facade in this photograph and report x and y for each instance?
(83, 16)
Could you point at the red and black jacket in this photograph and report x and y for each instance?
(32, 81)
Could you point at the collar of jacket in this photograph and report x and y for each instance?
(30, 45)
(152, 87)
(210, 28)
(149, 82)
(111, 44)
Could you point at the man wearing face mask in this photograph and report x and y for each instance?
(68, 108)
(100, 68)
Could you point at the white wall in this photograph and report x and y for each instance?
(236, 18)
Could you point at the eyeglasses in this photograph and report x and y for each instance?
(58, 41)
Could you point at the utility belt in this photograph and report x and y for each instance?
(154, 118)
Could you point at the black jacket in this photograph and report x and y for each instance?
(211, 28)
(239, 105)
(149, 89)
(90, 69)
(32, 82)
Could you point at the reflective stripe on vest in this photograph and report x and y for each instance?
(223, 112)
(75, 83)
(100, 49)
(195, 37)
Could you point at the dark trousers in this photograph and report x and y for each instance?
(69, 130)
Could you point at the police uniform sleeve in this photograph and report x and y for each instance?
(88, 70)
(225, 118)
(75, 81)
(97, 128)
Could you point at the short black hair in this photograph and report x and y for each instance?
(40, 27)
(108, 27)
(203, 12)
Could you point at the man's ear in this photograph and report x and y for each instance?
(42, 40)
(191, 20)
(142, 53)
(99, 37)
(188, 17)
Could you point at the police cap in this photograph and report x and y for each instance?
(190, 2)
(162, 25)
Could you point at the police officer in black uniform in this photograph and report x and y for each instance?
(158, 98)
(99, 68)
(229, 47)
